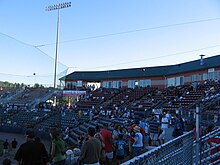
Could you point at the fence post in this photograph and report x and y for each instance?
(197, 134)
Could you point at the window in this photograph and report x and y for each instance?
(131, 83)
(204, 76)
(116, 84)
(106, 84)
(171, 82)
(214, 75)
(211, 70)
(79, 83)
(217, 74)
(70, 85)
(194, 77)
(145, 83)
(211, 75)
(179, 81)
(109, 84)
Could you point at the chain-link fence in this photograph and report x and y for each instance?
(182, 151)
(175, 152)
(209, 146)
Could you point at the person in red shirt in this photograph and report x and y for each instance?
(108, 141)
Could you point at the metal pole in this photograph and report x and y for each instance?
(50, 8)
(57, 42)
(56, 54)
(197, 134)
(57, 7)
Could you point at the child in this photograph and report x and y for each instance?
(120, 149)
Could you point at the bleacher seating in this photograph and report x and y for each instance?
(138, 101)
(28, 96)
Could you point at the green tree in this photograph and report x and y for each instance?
(36, 85)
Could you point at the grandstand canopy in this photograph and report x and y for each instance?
(143, 72)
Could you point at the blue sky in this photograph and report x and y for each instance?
(103, 35)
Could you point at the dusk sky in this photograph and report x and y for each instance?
(103, 35)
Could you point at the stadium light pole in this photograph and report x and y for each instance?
(57, 7)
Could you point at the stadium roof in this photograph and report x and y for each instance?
(209, 62)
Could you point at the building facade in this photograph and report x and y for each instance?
(161, 77)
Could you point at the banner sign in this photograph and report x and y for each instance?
(73, 93)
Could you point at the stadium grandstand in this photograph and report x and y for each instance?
(124, 98)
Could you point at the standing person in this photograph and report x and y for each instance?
(5, 147)
(58, 148)
(116, 132)
(91, 149)
(14, 144)
(131, 131)
(154, 130)
(138, 141)
(142, 123)
(107, 137)
(164, 127)
(80, 140)
(178, 128)
(120, 149)
(102, 156)
(31, 152)
(168, 115)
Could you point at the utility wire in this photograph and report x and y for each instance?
(147, 59)
(33, 46)
(17, 75)
(119, 33)
(131, 31)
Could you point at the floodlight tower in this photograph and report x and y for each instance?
(57, 7)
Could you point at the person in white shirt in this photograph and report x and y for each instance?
(168, 115)
(138, 141)
(164, 126)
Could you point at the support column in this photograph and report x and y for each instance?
(197, 134)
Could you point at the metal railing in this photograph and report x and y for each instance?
(209, 154)
(175, 152)
(182, 151)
